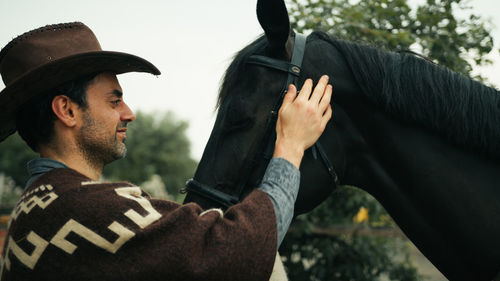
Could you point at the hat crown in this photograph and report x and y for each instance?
(43, 45)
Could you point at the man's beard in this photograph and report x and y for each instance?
(97, 145)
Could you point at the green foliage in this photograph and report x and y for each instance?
(14, 154)
(455, 43)
(9, 193)
(432, 29)
(312, 256)
(325, 258)
(157, 145)
(343, 205)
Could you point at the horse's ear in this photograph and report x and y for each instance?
(273, 17)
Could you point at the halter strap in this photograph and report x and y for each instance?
(211, 193)
(275, 64)
(293, 68)
(266, 146)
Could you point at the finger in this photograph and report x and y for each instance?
(326, 117)
(290, 95)
(305, 92)
(327, 97)
(319, 91)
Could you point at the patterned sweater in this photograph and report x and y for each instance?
(66, 227)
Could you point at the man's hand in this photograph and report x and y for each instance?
(302, 119)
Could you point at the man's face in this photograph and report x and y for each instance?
(102, 133)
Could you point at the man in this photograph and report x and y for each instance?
(63, 97)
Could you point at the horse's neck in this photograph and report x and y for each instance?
(445, 198)
(442, 196)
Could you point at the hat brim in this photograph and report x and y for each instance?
(58, 72)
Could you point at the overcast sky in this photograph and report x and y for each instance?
(190, 41)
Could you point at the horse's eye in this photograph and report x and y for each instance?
(238, 125)
(237, 117)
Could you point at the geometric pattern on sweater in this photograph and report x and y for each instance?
(66, 227)
(59, 240)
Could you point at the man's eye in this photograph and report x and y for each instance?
(116, 102)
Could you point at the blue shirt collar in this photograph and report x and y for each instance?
(38, 167)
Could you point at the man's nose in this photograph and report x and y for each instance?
(127, 114)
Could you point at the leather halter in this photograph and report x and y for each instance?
(266, 146)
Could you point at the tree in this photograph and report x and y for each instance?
(14, 154)
(157, 145)
(9, 194)
(431, 29)
(314, 255)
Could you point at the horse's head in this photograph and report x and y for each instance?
(233, 157)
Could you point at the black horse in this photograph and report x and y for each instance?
(423, 140)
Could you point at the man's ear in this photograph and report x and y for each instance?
(65, 109)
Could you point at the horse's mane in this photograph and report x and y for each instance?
(235, 69)
(462, 110)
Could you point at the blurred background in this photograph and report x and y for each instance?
(350, 237)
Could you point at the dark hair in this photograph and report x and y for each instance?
(35, 120)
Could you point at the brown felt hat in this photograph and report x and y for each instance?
(47, 57)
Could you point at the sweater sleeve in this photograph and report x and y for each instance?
(114, 231)
(281, 182)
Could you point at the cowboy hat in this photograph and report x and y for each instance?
(47, 57)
